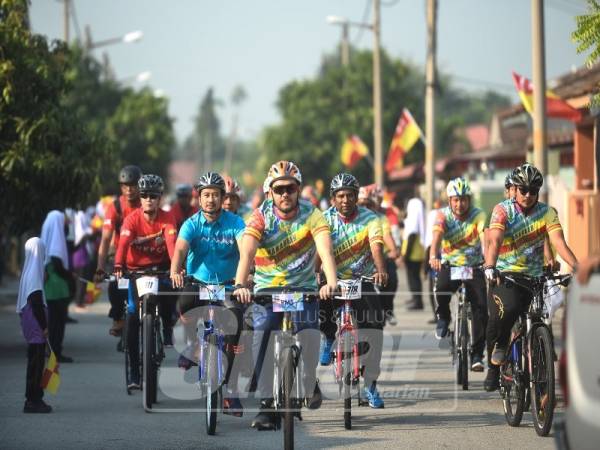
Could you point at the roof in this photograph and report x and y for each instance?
(478, 136)
(582, 81)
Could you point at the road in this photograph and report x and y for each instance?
(423, 408)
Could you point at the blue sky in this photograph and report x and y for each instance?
(191, 45)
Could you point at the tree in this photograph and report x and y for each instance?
(207, 132)
(587, 36)
(238, 96)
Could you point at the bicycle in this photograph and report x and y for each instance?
(527, 375)
(347, 369)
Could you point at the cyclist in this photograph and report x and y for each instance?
(358, 250)
(117, 211)
(458, 231)
(509, 187)
(285, 234)
(147, 241)
(182, 209)
(231, 200)
(518, 229)
(209, 242)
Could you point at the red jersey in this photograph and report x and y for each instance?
(149, 243)
(113, 220)
(179, 215)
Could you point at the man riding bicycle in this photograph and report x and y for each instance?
(209, 241)
(182, 209)
(518, 228)
(282, 239)
(458, 231)
(358, 250)
(147, 241)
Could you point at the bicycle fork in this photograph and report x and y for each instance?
(347, 330)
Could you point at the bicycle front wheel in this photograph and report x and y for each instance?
(464, 349)
(513, 387)
(212, 385)
(149, 358)
(347, 379)
(124, 335)
(542, 380)
(288, 403)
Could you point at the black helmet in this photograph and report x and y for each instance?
(527, 175)
(344, 181)
(210, 180)
(183, 190)
(508, 181)
(130, 175)
(151, 184)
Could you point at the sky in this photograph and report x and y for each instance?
(192, 45)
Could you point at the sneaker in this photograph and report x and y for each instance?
(168, 337)
(392, 319)
(325, 351)
(498, 355)
(315, 401)
(372, 395)
(266, 419)
(134, 382)
(492, 379)
(441, 329)
(477, 363)
(117, 328)
(233, 407)
(37, 407)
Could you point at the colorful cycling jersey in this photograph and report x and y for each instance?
(461, 239)
(179, 215)
(214, 253)
(524, 234)
(144, 243)
(286, 253)
(113, 220)
(352, 238)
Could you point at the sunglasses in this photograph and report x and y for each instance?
(150, 196)
(528, 190)
(285, 188)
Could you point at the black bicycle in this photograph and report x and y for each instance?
(527, 376)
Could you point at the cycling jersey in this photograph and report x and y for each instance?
(179, 215)
(352, 238)
(214, 254)
(523, 245)
(286, 253)
(461, 239)
(113, 219)
(149, 243)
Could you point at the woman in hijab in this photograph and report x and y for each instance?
(80, 256)
(31, 307)
(413, 253)
(59, 282)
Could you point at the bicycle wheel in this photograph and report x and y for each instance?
(513, 386)
(149, 366)
(126, 353)
(347, 380)
(288, 403)
(542, 391)
(464, 349)
(456, 347)
(212, 385)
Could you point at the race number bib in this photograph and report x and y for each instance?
(123, 283)
(350, 290)
(288, 302)
(212, 292)
(147, 285)
(461, 273)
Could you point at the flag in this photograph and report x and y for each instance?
(555, 106)
(50, 376)
(353, 150)
(92, 292)
(406, 135)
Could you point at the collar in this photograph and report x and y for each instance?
(465, 217)
(521, 210)
(350, 218)
(289, 216)
(204, 220)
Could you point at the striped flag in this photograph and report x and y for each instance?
(353, 150)
(405, 137)
(92, 292)
(50, 376)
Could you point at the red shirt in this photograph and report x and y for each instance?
(112, 219)
(179, 215)
(149, 243)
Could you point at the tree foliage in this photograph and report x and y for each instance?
(587, 36)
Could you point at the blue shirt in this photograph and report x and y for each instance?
(214, 253)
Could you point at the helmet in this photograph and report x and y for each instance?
(527, 175)
(231, 186)
(183, 190)
(210, 180)
(284, 170)
(508, 181)
(458, 187)
(151, 183)
(130, 175)
(344, 181)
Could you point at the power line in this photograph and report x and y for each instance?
(365, 19)
(390, 3)
(502, 86)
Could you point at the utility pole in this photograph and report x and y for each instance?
(540, 155)
(345, 44)
(66, 13)
(431, 84)
(377, 104)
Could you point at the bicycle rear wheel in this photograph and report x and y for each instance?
(212, 388)
(513, 386)
(149, 357)
(288, 403)
(542, 387)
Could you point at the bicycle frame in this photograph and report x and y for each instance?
(210, 327)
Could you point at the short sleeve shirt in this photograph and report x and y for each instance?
(522, 249)
(112, 220)
(461, 239)
(352, 239)
(286, 252)
(214, 253)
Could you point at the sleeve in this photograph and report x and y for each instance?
(439, 222)
(480, 222)
(170, 232)
(375, 231)
(255, 226)
(187, 230)
(552, 222)
(126, 237)
(499, 218)
(110, 218)
(239, 228)
(316, 222)
(37, 306)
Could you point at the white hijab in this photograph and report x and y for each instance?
(53, 237)
(415, 219)
(32, 276)
(82, 226)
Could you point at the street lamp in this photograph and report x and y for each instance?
(141, 77)
(128, 38)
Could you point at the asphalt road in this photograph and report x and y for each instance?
(423, 407)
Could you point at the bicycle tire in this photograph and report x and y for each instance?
(464, 349)
(347, 380)
(543, 395)
(212, 389)
(126, 354)
(288, 403)
(513, 390)
(456, 355)
(149, 366)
